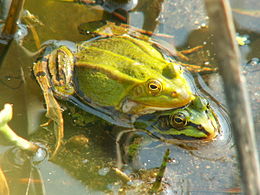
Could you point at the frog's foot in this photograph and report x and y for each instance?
(108, 29)
(119, 160)
(199, 68)
(182, 54)
(46, 123)
(31, 21)
(54, 113)
(134, 30)
(121, 174)
(192, 67)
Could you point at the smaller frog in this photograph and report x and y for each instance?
(196, 121)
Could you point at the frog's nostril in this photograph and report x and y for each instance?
(174, 94)
(181, 94)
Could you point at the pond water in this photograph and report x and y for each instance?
(85, 164)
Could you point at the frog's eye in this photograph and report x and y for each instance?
(207, 108)
(154, 87)
(178, 120)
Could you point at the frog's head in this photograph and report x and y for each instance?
(163, 91)
(197, 121)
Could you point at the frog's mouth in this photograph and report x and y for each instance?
(191, 132)
(133, 107)
(184, 141)
(183, 137)
(165, 105)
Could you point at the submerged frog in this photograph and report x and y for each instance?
(196, 121)
(200, 125)
(117, 78)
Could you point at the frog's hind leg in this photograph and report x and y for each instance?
(54, 111)
(199, 68)
(118, 151)
(194, 67)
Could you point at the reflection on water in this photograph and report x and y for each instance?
(85, 162)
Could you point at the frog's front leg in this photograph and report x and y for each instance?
(60, 68)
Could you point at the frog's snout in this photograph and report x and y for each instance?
(174, 94)
(183, 95)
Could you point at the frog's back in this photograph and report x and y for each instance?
(114, 69)
(127, 55)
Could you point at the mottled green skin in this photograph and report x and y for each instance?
(112, 70)
(200, 122)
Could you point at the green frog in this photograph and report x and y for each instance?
(117, 77)
(120, 73)
(201, 125)
(199, 120)
(196, 121)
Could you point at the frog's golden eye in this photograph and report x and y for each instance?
(154, 87)
(178, 120)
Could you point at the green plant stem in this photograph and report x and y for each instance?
(158, 181)
(9, 134)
